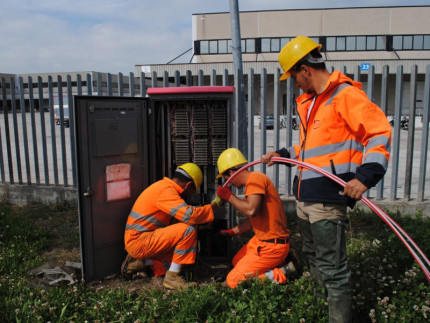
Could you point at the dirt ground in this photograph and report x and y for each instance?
(204, 271)
(63, 253)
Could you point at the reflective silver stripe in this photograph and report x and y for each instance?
(135, 215)
(149, 218)
(189, 230)
(188, 214)
(136, 227)
(185, 251)
(340, 169)
(334, 148)
(174, 210)
(335, 92)
(377, 141)
(376, 158)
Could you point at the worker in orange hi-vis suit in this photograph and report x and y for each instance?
(265, 253)
(161, 229)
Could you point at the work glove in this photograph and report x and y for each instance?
(228, 232)
(224, 192)
(218, 201)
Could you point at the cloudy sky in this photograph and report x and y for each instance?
(44, 36)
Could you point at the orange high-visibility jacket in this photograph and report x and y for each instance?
(158, 204)
(345, 134)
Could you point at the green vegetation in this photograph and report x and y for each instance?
(388, 285)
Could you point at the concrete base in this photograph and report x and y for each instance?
(399, 206)
(28, 194)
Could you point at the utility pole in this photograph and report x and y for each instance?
(240, 136)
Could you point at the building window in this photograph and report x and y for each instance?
(350, 43)
(274, 45)
(204, 47)
(222, 46)
(361, 43)
(371, 43)
(213, 47)
(426, 42)
(381, 43)
(397, 43)
(330, 44)
(250, 46)
(407, 42)
(418, 42)
(340, 43)
(265, 45)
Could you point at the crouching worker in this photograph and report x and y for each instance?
(161, 229)
(265, 253)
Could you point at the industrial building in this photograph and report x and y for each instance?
(355, 41)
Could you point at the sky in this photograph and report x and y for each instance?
(112, 36)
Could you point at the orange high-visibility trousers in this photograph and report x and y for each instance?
(255, 259)
(176, 242)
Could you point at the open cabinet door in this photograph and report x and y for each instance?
(112, 158)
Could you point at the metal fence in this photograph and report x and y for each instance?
(34, 150)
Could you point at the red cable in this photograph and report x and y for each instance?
(384, 216)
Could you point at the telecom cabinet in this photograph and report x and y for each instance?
(124, 144)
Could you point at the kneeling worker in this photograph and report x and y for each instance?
(267, 249)
(161, 229)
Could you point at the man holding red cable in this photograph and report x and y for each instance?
(265, 253)
(341, 131)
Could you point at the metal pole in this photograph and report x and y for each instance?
(411, 132)
(370, 94)
(424, 136)
(384, 103)
(263, 109)
(396, 135)
(276, 119)
(251, 107)
(240, 121)
(289, 130)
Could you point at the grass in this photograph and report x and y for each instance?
(388, 285)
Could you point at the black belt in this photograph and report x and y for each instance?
(277, 240)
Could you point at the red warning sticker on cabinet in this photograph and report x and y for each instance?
(117, 182)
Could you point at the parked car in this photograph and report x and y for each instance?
(404, 122)
(270, 122)
(66, 120)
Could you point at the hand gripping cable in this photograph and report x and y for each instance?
(410, 244)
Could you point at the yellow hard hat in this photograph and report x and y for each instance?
(194, 172)
(230, 158)
(294, 51)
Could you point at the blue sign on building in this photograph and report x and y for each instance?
(365, 66)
